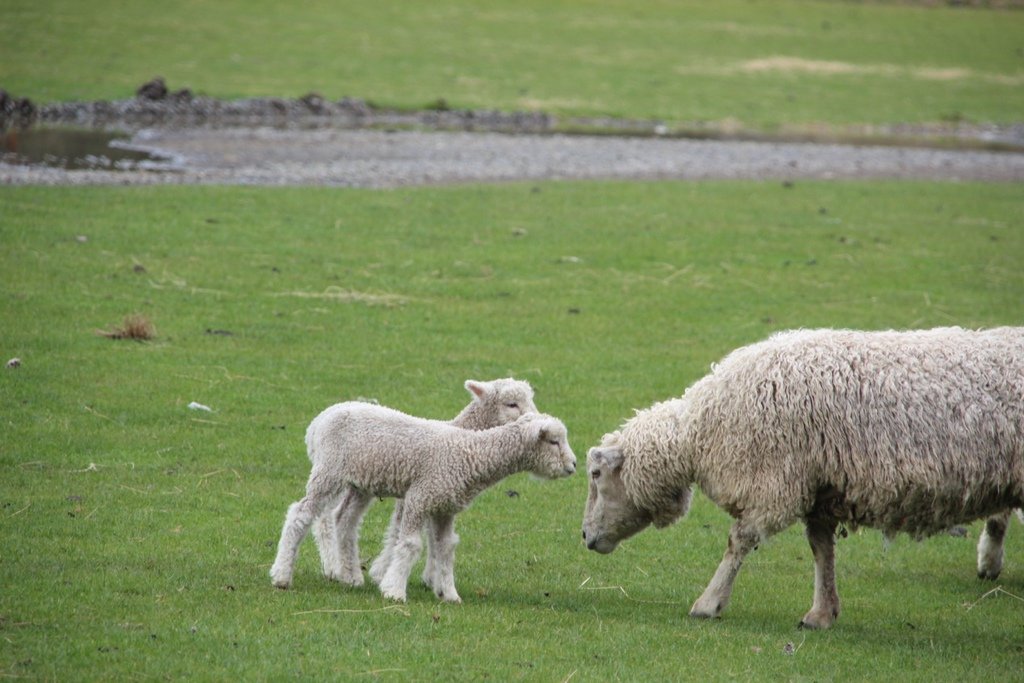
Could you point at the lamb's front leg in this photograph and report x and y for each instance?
(742, 539)
(990, 546)
(406, 549)
(821, 535)
(440, 571)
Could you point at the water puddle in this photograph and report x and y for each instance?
(77, 149)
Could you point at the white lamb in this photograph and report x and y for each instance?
(494, 403)
(366, 451)
(902, 431)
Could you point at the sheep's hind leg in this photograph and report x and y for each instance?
(407, 548)
(990, 545)
(380, 564)
(296, 525)
(742, 539)
(440, 571)
(348, 517)
(825, 609)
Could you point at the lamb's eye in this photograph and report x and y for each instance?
(553, 442)
(511, 405)
(596, 474)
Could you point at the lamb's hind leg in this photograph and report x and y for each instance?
(406, 549)
(990, 545)
(440, 571)
(821, 536)
(742, 539)
(327, 542)
(380, 564)
(348, 517)
(296, 525)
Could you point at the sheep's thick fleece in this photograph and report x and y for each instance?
(901, 431)
(909, 431)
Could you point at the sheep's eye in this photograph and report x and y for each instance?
(511, 405)
(595, 474)
(553, 442)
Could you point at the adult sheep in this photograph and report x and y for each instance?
(493, 403)
(902, 431)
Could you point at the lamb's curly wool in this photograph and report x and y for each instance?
(902, 431)
(366, 451)
(494, 403)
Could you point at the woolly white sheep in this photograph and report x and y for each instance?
(494, 403)
(366, 451)
(901, 431)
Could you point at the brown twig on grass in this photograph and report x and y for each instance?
(137, 327)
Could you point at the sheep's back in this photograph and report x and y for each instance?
(902, 431)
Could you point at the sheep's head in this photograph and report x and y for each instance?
(610, 516)
(548, 445)
(496, 403)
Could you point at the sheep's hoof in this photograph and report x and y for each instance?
(817, 620)
(702, 611)
(988, 574)
(450, 597)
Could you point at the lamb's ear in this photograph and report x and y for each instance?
(478, 389)
(607, 456)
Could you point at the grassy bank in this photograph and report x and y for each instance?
(758, 64)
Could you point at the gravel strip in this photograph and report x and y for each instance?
(380, 159)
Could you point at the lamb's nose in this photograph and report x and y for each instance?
(591, 544)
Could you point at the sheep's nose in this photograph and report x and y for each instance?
(591, 544)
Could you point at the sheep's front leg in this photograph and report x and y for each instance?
(440, 571)
(406, 549)
(821, 535)
(742, 539)
(348, 516)
(380, 564)
(990, 546)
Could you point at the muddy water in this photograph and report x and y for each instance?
(74, 149)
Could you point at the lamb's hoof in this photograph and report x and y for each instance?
(989, 574)
(280, 580)
(354, 580)
(452, 597)
(393, 594)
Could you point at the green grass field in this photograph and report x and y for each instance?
(136, 534)
(763, 65)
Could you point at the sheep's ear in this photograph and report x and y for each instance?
(608, 456)
(478, 389)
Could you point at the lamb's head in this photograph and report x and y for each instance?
(496, 403)
(547, 446)
(610, 516)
